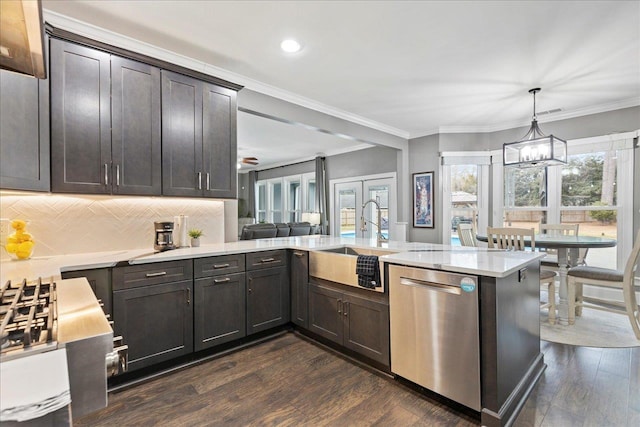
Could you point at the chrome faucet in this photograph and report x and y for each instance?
(363, 221)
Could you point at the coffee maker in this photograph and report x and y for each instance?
(164, 236)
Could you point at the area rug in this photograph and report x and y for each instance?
(593, 329)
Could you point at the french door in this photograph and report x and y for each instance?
(348, 213)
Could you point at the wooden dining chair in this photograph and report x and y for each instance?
(551, 260)
(510, 238)
(609, 279)
(467, 234)
(514, 239)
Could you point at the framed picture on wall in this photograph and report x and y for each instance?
(423, 200)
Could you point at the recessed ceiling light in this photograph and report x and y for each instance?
(290, 46)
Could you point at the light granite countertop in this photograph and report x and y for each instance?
(479, 261)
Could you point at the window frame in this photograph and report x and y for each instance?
(623, 144)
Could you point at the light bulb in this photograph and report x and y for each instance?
(290, 46)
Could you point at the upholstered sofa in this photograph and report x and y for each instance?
(269, 230)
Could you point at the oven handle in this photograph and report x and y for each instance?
(118, 360)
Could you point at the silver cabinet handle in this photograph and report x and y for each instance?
(160, 273)
(208, 181)
(188, 296)
(220, 265)
(226, 279)
(117, 175)
(298, 254)
(345, 308)
(199, 180)
(267, 259)
(339, 306)
(106, 174)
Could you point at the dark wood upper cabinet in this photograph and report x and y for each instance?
(80, 119)
(136, 138)
(181, 135)
(219, 142)
(105, 122)
(123, 123)
(198, 138)
(24, 132)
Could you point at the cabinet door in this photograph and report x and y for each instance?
(220, 309)
(156, 322)
(267, 299)
(366, 327)
(135, 143)
(219, 142)
(80, 119)
(24, 132)
(300, 288)
(181, 135)
(325, 313)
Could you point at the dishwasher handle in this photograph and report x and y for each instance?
(431, 285)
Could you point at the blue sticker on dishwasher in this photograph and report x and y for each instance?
(467, 284)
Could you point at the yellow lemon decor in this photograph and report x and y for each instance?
(20, 243)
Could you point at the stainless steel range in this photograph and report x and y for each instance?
(45, 316)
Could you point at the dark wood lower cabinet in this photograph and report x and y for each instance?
(156, 322)
(220, 309)
(356, 322)
(366, 327)
(325, 313)
(267, 299)
(299, 273)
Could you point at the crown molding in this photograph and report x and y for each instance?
(106, 36)
(547, 118)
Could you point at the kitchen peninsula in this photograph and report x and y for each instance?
(506, 288)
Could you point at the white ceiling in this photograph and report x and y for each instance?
(408, 68)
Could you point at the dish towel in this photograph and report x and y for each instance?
(368, 271)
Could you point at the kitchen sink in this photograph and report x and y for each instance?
(339, 264)
(346, 250)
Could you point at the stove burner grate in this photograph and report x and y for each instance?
(27, 314)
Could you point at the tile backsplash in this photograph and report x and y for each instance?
(68, 224)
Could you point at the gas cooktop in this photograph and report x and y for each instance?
(28, 320)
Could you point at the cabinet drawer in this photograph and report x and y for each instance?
(213, 266)
(151, 274)
(266, 259)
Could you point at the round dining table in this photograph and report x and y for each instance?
(568, 248)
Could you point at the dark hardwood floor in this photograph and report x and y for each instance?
(290, 381)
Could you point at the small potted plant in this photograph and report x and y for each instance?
(195, 235)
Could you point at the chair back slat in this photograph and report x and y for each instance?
(559, 229)
(467, 234)
(510, 238)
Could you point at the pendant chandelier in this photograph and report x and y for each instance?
(535, 149)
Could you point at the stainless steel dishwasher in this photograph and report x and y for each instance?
(435, 340)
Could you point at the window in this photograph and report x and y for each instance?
(465, 179)
(293, 202)
(261, 194)
(589, 198)
(525, 197)
(285, 199)
(594, 190)
(275, 200)
(464, 198)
